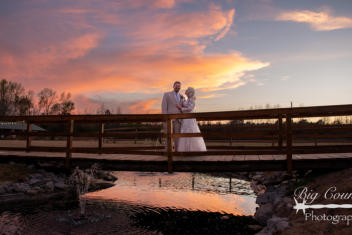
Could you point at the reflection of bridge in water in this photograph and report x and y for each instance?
(285, 154)
(181, 190)
(194, 181)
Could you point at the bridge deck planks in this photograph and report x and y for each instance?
(125, 162)
(181, 158)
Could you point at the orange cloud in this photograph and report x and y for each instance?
(230, 17)
(320, 21)
(143, 74)
(85, 104)
(206, 96)
(145, 106)
(85, 47)
(45, 61)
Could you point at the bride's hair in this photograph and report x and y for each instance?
(191, 92)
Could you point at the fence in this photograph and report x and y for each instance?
(283, 133)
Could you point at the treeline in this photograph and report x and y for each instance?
(15, 100)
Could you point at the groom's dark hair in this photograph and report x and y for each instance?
(177, 82)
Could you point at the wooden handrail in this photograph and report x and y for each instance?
(281, 132)
(300, 112)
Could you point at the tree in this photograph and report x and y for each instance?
(24, 105)
(51, 104)
(303, 121)
(101, 109)
(13, 100)
(47, 99)
(66, 104)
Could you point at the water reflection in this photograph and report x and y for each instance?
(189, 191)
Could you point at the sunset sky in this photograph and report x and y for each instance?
(236, 54)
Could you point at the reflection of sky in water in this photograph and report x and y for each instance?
(191, 191)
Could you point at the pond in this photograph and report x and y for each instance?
(148, 203)
(188, 191)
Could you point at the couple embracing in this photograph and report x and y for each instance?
(173, 102)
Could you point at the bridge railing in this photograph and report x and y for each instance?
(283, 133)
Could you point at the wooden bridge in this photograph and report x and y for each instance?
(283, 154)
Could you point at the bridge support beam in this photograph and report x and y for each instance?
(280, 132)
(289, 143)
(70, 124)
(101, 132)
(28, 137)
(169, 145)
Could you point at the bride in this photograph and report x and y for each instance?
(187, 144)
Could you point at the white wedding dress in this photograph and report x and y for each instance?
(188, 144)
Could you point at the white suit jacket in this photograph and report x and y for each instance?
(168, 105)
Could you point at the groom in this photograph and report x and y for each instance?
(168, 105)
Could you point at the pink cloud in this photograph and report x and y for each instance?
(145, 106)
(84, 47)
(319, 21)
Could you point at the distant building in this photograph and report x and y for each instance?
(9, 129)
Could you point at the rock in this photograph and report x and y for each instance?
(275, 177)
(32, 192)
(284, 206)
(268, 197)
(264, 231)
(261, 192)
(258, 178)
(263, 213)
(31, 166)
(256, 187)
(60, 185)
(36, 176)
(307, 173)
(277, 224)
(49, 186)
(97, 184)
(33, 181)
(3, 189)
(225, 217)
(20, 187)
(105, 175)
(48, 179)
(255, 226)
(287, 200)
(37, 188)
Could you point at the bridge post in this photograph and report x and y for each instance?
(169, 145)
(289, 143)
(231, 133)
(101, 132)
(70, 125)
(280, 132)
(28, 138)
